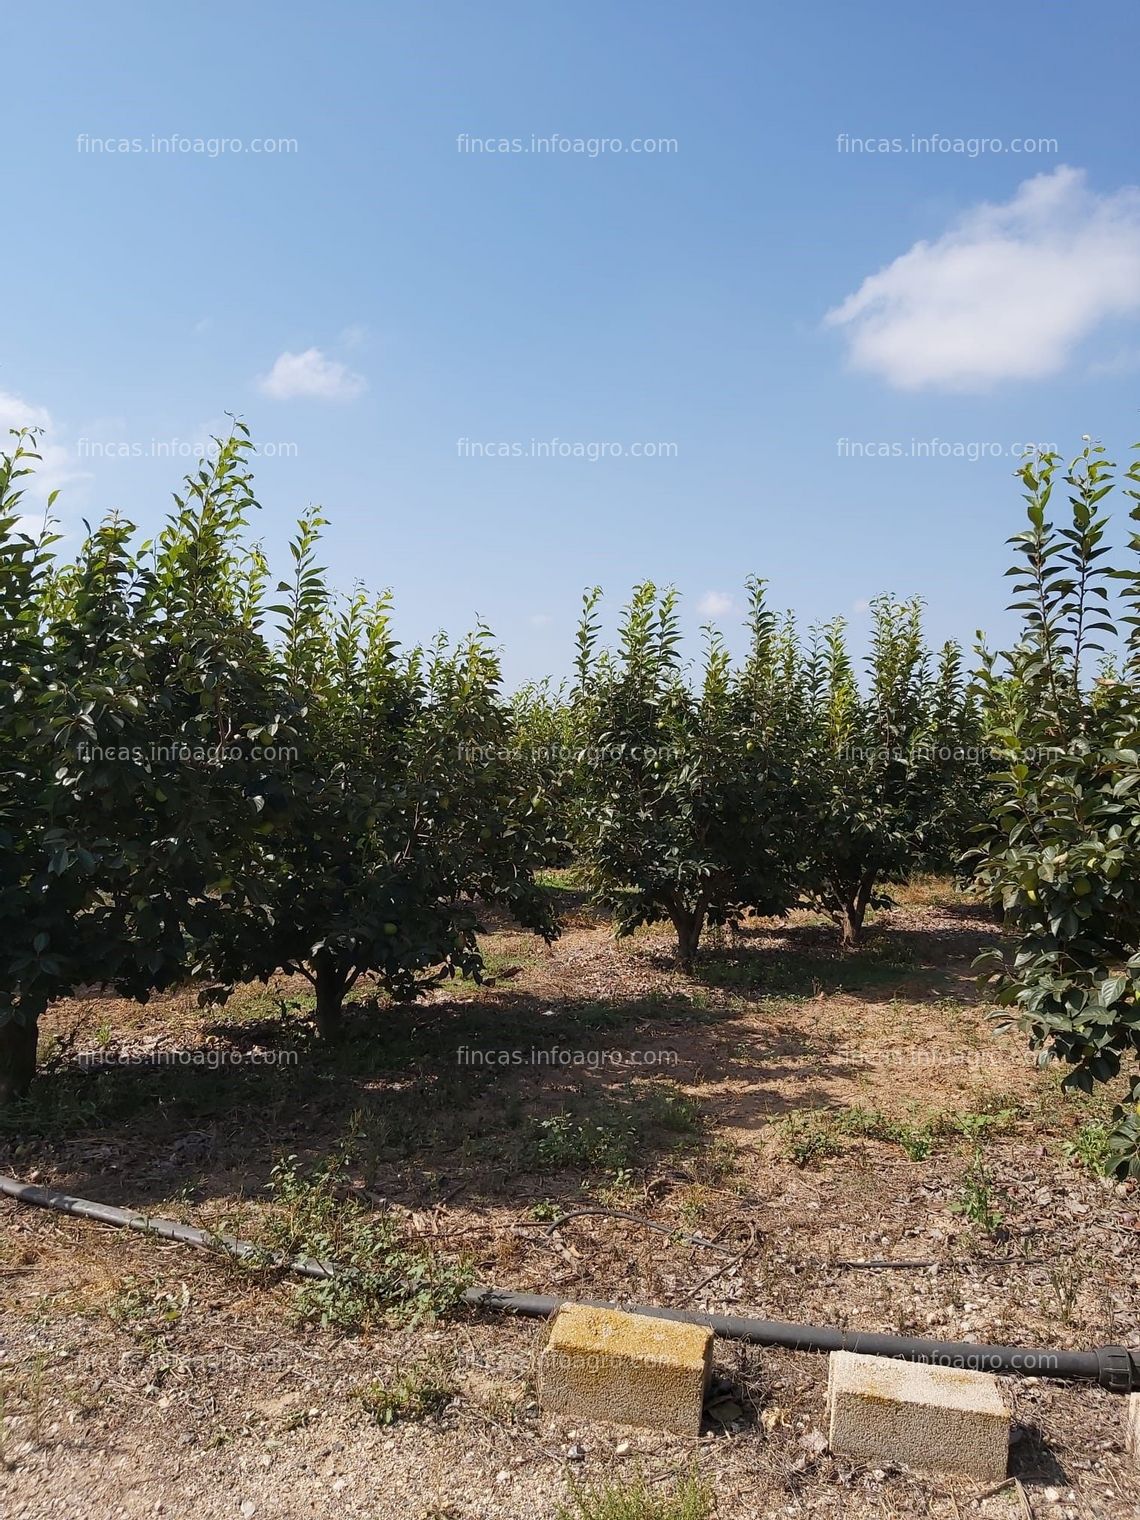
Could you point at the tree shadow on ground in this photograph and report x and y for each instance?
(501, 1096)
(495, 1089)
(803, 961)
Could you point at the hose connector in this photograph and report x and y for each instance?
(1118, 1369)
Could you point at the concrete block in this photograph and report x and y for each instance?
(1132, 1427)
(633, 1369)
(926, 1418)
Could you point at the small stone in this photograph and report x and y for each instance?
(813, 1441)
(576, 1453)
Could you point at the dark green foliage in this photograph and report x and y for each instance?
(1061, 850)
(686, 814)
(775, 783)
(402, 808)
(889, 778)
(185, 796)
(133, 688)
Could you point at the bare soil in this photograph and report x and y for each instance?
(788, 1116)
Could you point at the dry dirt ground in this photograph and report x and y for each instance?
(786, 1117)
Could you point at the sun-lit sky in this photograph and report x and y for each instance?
(531, 296)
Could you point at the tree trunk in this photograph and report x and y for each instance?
(851, 925)
(17, 1058)
(855, 911)
(688, 926)
(330, 985)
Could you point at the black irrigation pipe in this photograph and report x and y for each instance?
(1114, 1368)
(165, 1229)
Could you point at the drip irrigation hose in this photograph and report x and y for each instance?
(165, 1229)
(1114, 1368)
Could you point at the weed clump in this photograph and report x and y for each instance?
(416, 1393)
(379, 1277)
(689, 1500)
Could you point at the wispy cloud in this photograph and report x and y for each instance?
(716, 604)
(1006, 293)
(57, 467)
(311, 373)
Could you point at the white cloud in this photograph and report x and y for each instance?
(311, 374)
(56, 468)
(862, 605)
(15, 412)
(541, 620)
(1005, 294)
(715, 604)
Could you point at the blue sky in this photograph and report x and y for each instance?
(742, 300)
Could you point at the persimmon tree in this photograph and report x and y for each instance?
(36, 904)
(190, 793)
(402, 811)
(889, 775)
(1061, 850)
(135, 690)
(684, 817)
(546, 727)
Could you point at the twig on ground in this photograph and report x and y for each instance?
(720, 1271)
(988, 1493)
(976, 1261)
(647, 1224)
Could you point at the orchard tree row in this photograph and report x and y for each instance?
(203, 778)
(781, 781)
(210, 776)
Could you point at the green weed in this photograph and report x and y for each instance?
(562, 1141)
(977, 1201)
(1091, 1147)
(380, 1277)
(807, 1138)
(413, 1394)
(690, 1500)
(146, 1305)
